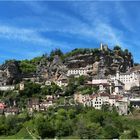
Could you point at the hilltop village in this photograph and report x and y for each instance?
(89, 77)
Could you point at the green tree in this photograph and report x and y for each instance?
(111, 132)
(55, 52)
(63, 124)
(134, 134)
(117, 48)
(94, 131)
(46, 90)
(27, 67)
(44, 128)
(31, 89)
(12, 125)
(2, 125)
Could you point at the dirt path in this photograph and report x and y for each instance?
(30, 133)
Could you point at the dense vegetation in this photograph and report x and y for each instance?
(77, 122)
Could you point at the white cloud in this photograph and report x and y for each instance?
(22, 34)
(31, 36)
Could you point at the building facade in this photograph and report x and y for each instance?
(79, 71)
(100, 99)
(130, 79)
(7, 87)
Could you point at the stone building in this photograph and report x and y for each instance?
(100, 99)
(79, 71)
(7, 87)
(130, 79)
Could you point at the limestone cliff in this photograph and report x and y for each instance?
(10, 73)
(104, 62)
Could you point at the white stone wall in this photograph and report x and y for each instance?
(129, 79)
(100, 81)
(112, 102)
(77, 72)
(6, 88)
(97, 102)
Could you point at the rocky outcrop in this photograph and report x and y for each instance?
(51, 70)
(95, 68)
(80, 60)
(10, 72)
(135, 68)
(104, 62)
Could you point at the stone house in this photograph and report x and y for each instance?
(80, 98)
(100, 99)
(33, 104)
(130, 79)
(11, 111)
(46, 104)
(79, 71)
(97, 100)
(7, 87)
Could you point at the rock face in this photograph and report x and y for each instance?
(10, 73)
(80, 60)
(51, 70)
(135, 68)
(104, 62)
(56, 68)
(95, 68)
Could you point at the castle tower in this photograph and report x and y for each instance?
(101, 47)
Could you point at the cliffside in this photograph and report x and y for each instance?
(10, 72)
(48, 70)
(103, 60)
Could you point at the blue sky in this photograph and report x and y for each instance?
(31, 28)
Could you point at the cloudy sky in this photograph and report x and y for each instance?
(31, 28)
